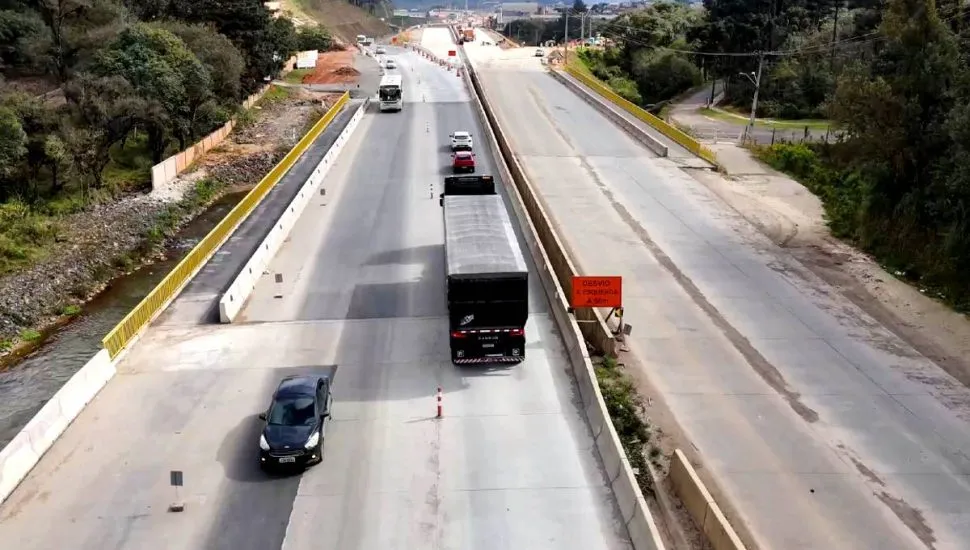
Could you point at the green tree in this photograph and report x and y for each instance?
(75, 28)
(166, 75)
(13, 142)
(20, 32)
(266, 42)
(314, 38)
(223, 61)
(103, 111)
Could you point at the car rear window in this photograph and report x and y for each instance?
(464, 155)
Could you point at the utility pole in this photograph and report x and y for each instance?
(565, 44)
(757, 88)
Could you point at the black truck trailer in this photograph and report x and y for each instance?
(487, 280)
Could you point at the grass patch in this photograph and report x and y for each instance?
(627, 413)
(296, 76)
(574, 61)
(29, 335)
(274, 94)
(71, 310)
(25, 235)
(5, 345)
(741, 120)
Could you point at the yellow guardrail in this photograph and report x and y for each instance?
(672, 132)
(145, 311)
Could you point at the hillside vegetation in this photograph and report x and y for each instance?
(346, 19)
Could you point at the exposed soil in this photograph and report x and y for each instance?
(108, 239)
(335, 67)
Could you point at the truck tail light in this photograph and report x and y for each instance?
(516, 332)
(458, 334)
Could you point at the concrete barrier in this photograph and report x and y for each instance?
(547, 251)
(600, 105)
(30, 444)
(700, 505)
(231, 301)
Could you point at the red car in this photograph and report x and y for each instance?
(463, 161)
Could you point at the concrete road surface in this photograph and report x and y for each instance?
(511, 465)
(826, 430)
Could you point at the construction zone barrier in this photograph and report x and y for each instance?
(160, 296)
(700, 505)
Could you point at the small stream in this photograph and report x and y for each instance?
(26, 386)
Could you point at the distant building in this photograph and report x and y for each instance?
(517, 10)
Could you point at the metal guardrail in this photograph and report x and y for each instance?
(677, 135)
(153, 303)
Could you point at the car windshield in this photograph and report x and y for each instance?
(292, 411)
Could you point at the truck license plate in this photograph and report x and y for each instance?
(285, 459)
(487, 346)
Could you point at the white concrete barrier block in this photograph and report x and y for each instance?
(611, 452)
(643, 530)
(16, 461)
(625, 490)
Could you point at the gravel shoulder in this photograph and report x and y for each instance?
(110, 239)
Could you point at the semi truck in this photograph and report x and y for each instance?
(468, 35)
(486, 279)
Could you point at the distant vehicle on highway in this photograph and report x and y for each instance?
(461, 141)
(390, 63)
(380, 50)
(295, 423)
(463, 161)
(540, 53)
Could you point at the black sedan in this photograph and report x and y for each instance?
(295, 423)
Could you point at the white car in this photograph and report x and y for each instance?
(390, 64)
(380, 50)
(461, 141)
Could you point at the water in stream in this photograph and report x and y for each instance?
(26, 386)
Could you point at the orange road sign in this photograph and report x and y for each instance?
(597, 292)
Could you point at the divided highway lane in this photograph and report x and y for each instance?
(824, 429)
(511, 465)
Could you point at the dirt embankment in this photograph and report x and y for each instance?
(109, 239)
(335, 67)
(344, 20)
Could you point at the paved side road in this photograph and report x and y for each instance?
(823, 428)
(686, 113)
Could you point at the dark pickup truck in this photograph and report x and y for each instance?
(487, 278)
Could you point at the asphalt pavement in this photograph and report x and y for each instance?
(511, 465)
(824, 429)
